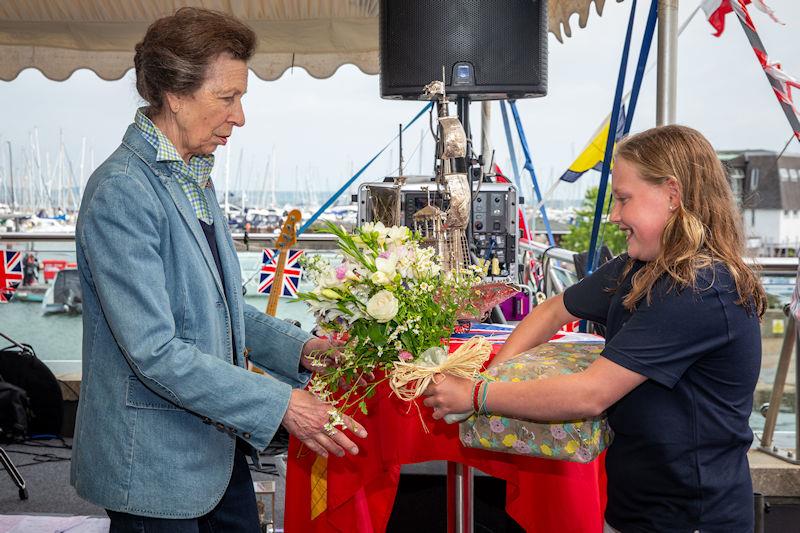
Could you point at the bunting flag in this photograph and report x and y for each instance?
(291, 272)
(10, 274)
(781, 82)
(592, 156)
(716, 10)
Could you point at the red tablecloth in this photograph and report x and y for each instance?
(541, 495)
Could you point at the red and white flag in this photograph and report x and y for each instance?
(716, 10)
(780, 82)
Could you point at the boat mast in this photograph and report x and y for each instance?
(273, 178)
(227, 176)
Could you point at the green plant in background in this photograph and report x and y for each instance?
(579, 236)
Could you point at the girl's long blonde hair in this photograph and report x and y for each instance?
(705, 228)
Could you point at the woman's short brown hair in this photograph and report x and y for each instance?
(177, 50)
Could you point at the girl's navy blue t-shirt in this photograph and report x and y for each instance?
(678, 461)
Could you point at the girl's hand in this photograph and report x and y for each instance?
(448, 394)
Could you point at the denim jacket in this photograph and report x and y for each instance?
(164, 391)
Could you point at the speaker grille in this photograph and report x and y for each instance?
(503, 40)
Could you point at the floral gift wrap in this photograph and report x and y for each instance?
(577, 440)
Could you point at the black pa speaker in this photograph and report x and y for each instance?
(490, 49)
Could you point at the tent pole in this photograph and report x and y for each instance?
(667, 84)
(486, 138)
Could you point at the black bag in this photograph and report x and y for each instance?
(20, 366)
(14, 412)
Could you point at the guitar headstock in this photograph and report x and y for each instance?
(288, 236)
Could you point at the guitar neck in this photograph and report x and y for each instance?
(277, 284)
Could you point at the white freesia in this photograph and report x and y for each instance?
(400, 251)
(405, 265)
(380, 278)
(387, 265)
(354, 274)
(371, 227)
(398, 234)
(383, 306)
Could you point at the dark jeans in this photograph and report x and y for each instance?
(235, 513)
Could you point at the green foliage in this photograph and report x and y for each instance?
(579, 236)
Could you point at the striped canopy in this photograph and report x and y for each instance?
(60, 36)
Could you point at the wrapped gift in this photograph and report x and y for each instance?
(575, 440)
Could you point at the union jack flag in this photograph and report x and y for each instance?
(10, 274)
(291, 272)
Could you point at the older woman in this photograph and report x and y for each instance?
(167, 405)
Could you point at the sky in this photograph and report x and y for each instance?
(322, 131)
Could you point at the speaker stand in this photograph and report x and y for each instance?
(8, 464)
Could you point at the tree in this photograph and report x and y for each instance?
(579, 236)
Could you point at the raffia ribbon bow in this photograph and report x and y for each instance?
(409, 380)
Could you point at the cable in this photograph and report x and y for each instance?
(38, 458)
(31, 442)
(58, 460)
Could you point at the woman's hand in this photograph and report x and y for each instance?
(449, 394)
(322, 353)
(309, 420)
(319, 353)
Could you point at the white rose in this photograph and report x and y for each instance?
(329, 280)
(382, 306)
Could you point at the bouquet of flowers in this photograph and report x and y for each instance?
(393, 308)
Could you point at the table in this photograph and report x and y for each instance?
(541, 495)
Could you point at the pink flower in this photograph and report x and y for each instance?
(405, 356)
(341, 271)
(496, 425)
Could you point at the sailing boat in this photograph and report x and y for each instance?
(266, 219)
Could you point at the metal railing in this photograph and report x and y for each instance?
(306, 241)
(556, 265)
(791, 343)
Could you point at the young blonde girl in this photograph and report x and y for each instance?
(683, 347)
